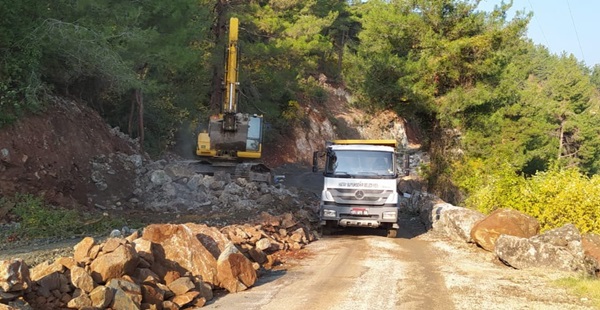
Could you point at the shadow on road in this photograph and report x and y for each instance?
(264, 278)
(410, 227)
(357, 231)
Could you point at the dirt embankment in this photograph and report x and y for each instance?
(50, 154)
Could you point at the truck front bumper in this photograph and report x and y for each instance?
(373, 217)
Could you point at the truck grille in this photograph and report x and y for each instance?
(360, 196)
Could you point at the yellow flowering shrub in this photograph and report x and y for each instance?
(555, 197)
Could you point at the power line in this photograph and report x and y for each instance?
(574, 27)
(537, 21)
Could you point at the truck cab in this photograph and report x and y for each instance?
(360, 181)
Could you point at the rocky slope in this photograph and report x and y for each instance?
(72, 158)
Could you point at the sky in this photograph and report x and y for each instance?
(571, 26)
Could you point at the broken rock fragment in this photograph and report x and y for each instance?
(123, 260)
(14, 275)
(185, 247)
(81, 279)
(101, 297)
(127, 295)
(81, 252)
(235, 271)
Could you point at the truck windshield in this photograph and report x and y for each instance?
(364, 164)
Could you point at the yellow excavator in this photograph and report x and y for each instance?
(232, 135)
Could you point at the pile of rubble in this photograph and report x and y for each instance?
(512, 236)
(167, 266)
(175, 187)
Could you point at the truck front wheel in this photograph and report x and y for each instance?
(325, 231)
(328, 228)
(392, 232)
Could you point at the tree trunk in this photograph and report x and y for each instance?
(561, 138)
(131, 113)
(340, 53)
(219, 31)
(140, 103)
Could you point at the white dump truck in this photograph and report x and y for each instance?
(360, 185)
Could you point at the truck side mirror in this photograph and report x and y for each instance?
(315, 167)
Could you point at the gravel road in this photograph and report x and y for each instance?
(360, 269)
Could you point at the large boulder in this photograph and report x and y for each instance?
(503, 222)
(235, 271)
(591, 249)
(558, 248)
(14, 275)
(454, 222)
(186, 247)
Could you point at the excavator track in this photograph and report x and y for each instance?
(254, 172)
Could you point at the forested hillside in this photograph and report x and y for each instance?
(502, 115)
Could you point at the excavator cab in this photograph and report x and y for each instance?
(244, 142)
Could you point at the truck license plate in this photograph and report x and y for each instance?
(359, 211)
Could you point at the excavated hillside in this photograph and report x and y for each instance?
(52, 155)
(73, 159)
(336, 118)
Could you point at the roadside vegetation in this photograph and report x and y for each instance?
(555, 197)
(586, 288)
(508, 123)
(37, 220)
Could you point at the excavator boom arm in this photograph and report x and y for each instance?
(231, 70)
(232, 134)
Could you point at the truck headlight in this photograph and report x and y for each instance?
(328, 213)
(389, 215)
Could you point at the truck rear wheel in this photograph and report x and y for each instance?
(392, 232)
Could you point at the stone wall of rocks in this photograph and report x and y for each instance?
(512, 236)
(165, 266)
